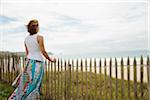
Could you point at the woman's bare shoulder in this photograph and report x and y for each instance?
(39, 38)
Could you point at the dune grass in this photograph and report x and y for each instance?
(89, 86)
(5, 90)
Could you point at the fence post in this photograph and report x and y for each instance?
(91, 95)
(95, 71)
(86, 97)
(0, 68)
(110, 80)
(77, 80)
(69, 82)
(55, 83)
(3, 66)
(49, 88)
(135, 78)
(5, 69)
(148, 76)
(58, 80)
(62, 72)
(12, 69)
(105, 85)
(81, 67)
(128, 76)
(9, 75)
(100, 80)
(141, 69)
(52, 77)
(73, 80)
(65, 91)
(122, 79)
(116, 72)
(46, 77)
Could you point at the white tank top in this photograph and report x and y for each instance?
(33, 48)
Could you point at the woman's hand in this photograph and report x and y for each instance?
(52, 59)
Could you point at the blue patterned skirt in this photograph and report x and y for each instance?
(29, 82)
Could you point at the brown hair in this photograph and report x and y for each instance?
(32, 28)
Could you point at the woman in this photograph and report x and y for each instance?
(31, 78)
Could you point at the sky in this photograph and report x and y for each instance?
(77, 27)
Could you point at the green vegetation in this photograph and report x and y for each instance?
(5, 90)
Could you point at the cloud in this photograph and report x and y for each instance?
(79, 28)
(71, 1)
(6, 20)
(14, 31)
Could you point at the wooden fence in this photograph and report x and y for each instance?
(87, 79)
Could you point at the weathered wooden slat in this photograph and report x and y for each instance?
(65, 91)
(141, 78)
(8, 69)
(5, 68)
(110, 78)
(95, 71)
(55, 82)
(81, 67)
(13, 73)
(61, 84)
(128, 76)
(17, 65)
(135, 78)
(105, 85)
(116, 73)
(77, 88)
(52, 77)
(148, 76)
(69, 81)
(86, 94)
(49, 76)
(73, 80)
(11, 80)
(122, 79)
(46, 85)
(90, 83)
(100, 80)
(48, 91)
(58, 79)
(1, 69)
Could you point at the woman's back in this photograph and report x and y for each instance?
(33, 47)
(31, 77)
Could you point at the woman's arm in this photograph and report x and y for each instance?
(26, 49)
(27, 52)
(42, 48)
